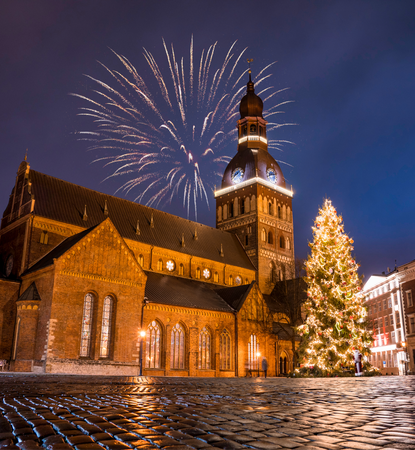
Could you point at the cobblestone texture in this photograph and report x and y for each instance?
(89, 413)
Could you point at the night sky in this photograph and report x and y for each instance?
(350, 67)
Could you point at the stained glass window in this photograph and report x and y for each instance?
(204, 349)
(153, 340)
(225, 350)
(253, 351)
(177, 347)
(87, 325)
(106, 328)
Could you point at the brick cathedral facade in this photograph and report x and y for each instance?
(82, 273)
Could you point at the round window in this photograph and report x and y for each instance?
(170, 265)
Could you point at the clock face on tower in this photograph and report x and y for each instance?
(237, 175)
(272, 176)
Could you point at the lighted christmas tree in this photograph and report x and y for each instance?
(335, 324)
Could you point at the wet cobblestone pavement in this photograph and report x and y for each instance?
(61, 412)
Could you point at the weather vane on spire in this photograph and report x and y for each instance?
(249, 64)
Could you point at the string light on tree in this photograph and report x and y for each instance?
(336, 315)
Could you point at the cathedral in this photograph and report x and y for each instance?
(95, 284)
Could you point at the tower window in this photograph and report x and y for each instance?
(230, 210)
(270, 208)
(245, 131)
(264, 235)
(252, 129)
(246, 239)
(270, 238)
(242, 207)
(44, 238)
(279, 212)
(287, 243)
(282, 243)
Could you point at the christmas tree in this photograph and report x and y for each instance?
(336, 316)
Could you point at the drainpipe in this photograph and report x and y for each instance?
(236, 344)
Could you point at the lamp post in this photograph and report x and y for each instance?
(142, 336)
(406, 356)
(257, 357)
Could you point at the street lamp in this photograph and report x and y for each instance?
(142, 336)
(406, 356)
(257, 357)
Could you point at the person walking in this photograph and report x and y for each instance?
(264, 366)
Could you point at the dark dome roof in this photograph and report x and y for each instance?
(251, 104)
(254, 162)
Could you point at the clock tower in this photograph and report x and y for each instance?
(254, 202)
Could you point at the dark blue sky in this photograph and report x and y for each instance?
(350, 67)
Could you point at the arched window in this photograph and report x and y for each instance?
(104, 350)
(279, 212)
(246, 281)
(252, 129)
(284, 213)
(270, 237)
(87, 325)
(230, 280)
(198, 273)
(288, 214)
(220, 214)
(282, 242)
(253, 352)
(244, 131)
(253, 203)
(270, 208)
(181, 269)
(225, 212)
(230, 209)
(247, 204)
(44, 238)
(287, 243)
(160, 265)
(225, 350)
(264, 235)
(242, 206)
(141, 261)
(216, 277)
(204, 349)
(153, 344)
(177, 347)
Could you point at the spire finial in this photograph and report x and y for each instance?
(249, 67)
(137, 230)
(25, 156)
(195, 236)
(182, 243)
(222, 254)
(152, 221)
(85, 216)
(106, 209)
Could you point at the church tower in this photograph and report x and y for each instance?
(254, 202)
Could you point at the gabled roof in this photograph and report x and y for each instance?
(58, 251)
(235, 296)
(175, 291)
(31, 293)
(65, 202)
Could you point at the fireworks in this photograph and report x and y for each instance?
(170, 141)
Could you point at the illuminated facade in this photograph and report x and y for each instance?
(392, 317)
(83, 273)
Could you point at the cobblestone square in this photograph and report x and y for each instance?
(86, 413)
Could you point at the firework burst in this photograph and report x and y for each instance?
(171, 142)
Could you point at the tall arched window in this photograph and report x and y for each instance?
(287, 243)
(279, 212)
(177, 347)
(270, 208)
(225, 350)
(216, 277)
(181, 269)
(230, 279)
(153, 343)
(87, 325)
(282, 242)
(160, 265)
(253, 351)
(198, 273)
(264, 235)
(230, 210)
(204, 349)
(270, 238)
(141, 261)
(242, 206)
(104, 350)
